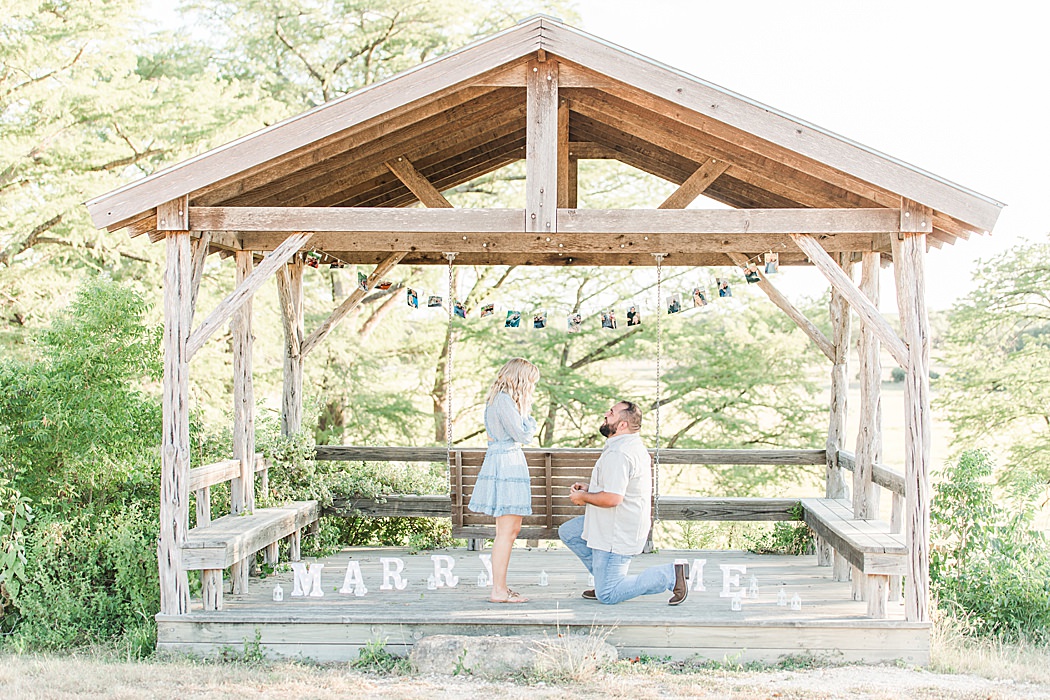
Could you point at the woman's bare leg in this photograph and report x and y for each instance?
(507, 528)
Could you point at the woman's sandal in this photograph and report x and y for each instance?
(512, 597)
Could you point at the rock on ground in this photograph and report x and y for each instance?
(491, 657)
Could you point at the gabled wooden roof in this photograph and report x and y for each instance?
(463, 115)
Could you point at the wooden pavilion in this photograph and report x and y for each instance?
(341, 179)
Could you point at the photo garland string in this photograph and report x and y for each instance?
(768, 262)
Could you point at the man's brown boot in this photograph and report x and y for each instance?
(589, 594)
(681, 584)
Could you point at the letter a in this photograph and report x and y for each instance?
(352, 578)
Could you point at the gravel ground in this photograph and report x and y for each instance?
(32, 677)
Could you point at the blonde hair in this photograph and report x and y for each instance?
(517, 379)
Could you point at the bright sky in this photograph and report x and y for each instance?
(959, 89)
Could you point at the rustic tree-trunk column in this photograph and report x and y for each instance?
(869, 436)
(290, 293)
(835, 483)
(869, 433)
(242, 489)
(910, 274)
(175, 437)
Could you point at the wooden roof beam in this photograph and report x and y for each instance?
(690, 221)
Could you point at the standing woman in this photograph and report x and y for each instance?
(502, 489)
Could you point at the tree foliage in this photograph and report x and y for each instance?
(988, 566)
(997, 352)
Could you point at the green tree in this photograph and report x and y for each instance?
(997, 355)
(88, 102)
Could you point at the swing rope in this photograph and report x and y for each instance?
(659, 351)
(449, 303)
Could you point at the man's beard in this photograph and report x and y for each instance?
(606, 430)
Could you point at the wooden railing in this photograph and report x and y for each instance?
(552, 471)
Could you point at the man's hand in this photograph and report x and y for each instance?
(580, 486)
(578, 495)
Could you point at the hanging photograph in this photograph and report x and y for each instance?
(634, 316)
(433, 301)
(723, 287)
(313, 258)
(336, 265)
(513, 319)
(699, 297)
(413, 298)
(751, 273)
(362, 281)
(384, 285)
(573, 322)
(539, 319)
(772, 263)
(488, 310)
(609, 319)
(459, 309)
(674, 303)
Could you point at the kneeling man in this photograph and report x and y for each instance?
(617, 519)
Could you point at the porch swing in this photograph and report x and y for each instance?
(551, 470)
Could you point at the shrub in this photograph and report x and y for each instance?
(89, 580)
(987, 566)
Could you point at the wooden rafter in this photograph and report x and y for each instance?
(419, 185)
(695, 184)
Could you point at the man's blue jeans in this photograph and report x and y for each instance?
(612, 584)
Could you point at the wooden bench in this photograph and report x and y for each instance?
(221, 543)
(868, 545)
(233, 540)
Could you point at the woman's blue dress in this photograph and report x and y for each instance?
(503, 486)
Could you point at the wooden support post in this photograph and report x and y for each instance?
(896, 527)
(242, 488)
(211, 589)
(910, 275)
(270, 555)
(290, 294)
(877, 595)
(175, 438)
(203, 498)
(858, 583)
(869, 434)
(835, 482)
(541, 147)
(295, 541)
(835, 486)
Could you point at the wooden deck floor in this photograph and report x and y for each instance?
(335, 626)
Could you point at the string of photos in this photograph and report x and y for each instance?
(607, 318)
